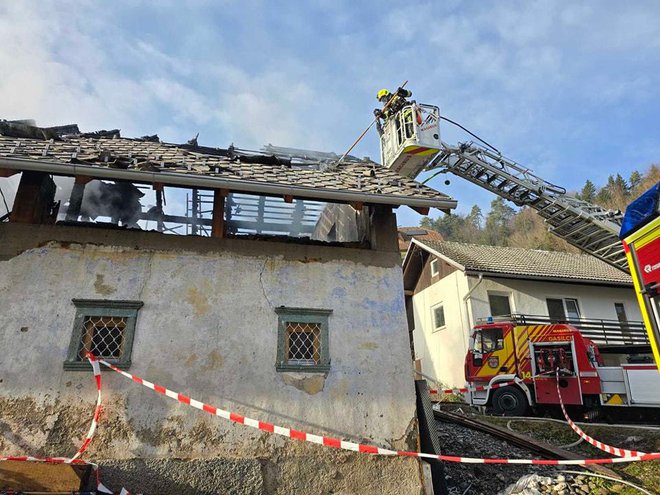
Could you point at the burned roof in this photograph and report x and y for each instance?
(104, 155)
(526, 263)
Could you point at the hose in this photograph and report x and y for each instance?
(633, 426)
(572, 444)
(609, 478)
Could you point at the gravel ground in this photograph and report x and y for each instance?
(478, 479)
(491, 479)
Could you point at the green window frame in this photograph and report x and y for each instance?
(303, 339)
(107, 328)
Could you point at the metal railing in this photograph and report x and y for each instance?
(601, 331)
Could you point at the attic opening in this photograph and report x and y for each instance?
(81, 201)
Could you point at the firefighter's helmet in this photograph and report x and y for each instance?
(383, 93)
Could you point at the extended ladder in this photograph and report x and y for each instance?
(582, 224)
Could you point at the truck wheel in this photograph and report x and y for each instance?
(509, 401)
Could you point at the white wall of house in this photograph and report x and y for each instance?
(529, 297)
(442, 352)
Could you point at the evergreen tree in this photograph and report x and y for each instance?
(588, 192)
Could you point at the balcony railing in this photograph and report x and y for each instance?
(601, 331)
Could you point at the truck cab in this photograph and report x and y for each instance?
(511, 366)
(410, 138)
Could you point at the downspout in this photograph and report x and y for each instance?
(467, 296)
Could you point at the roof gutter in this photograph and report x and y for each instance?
(190, 180)
(543, 278)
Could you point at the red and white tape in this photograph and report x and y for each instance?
(96, 368)
(599, 445)
(358, 447)
(465, 390)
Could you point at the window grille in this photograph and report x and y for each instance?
(104, 328)
(103, 337)
(302, 343)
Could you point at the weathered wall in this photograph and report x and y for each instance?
(208, 329)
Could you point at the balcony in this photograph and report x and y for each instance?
(609, 335)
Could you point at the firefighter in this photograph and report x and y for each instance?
(392, 104)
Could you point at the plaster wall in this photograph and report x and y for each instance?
(208, 329)
(529, 297)
(442, 351)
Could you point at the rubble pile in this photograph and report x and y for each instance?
(561, 484)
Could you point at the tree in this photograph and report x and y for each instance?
(588, 192)
(498, 223)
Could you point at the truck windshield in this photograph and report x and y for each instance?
(488, 340)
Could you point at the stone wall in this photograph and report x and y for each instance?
(208, 329)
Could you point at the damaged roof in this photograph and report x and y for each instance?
(105, 155)
(511, 262)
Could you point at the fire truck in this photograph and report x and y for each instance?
(528, 355)
(640, 234)
(522, 360)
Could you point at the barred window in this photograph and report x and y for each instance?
(104, 328)
(302, 343)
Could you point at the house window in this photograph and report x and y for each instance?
(302, 343)
(434, 268)
(499, 304)
(104, 328)
(560, 310)
(439, 317)
(621, 313)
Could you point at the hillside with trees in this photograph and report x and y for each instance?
(505, 225)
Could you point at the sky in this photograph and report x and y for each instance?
(569, 89)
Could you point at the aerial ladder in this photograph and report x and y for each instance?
(410, 144)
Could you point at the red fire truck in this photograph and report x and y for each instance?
(526, 356)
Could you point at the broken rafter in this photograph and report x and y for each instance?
(8, 172)
(218, 223)
(422, 210)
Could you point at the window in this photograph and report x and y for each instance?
(104, 328)
(572, 309)
(439, 317)
(560, 310)
(302, 343)
(499, 304)
(434, 268)
(489, 340)
(621, 313)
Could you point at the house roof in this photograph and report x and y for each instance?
(406, 234)
(514, 262)
(105, 155)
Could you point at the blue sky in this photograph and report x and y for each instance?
(570, 89)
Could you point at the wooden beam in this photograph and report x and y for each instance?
(288, 198)
(158, 186)
(8, 172)
(357, 205)
(83, 179)
(218, 225)
(422, 210)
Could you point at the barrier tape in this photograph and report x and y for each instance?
(599, 445)
(465, 390)
(358, 447)
(96, 368)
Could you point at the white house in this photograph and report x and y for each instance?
(450, 285)
(284, 303)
